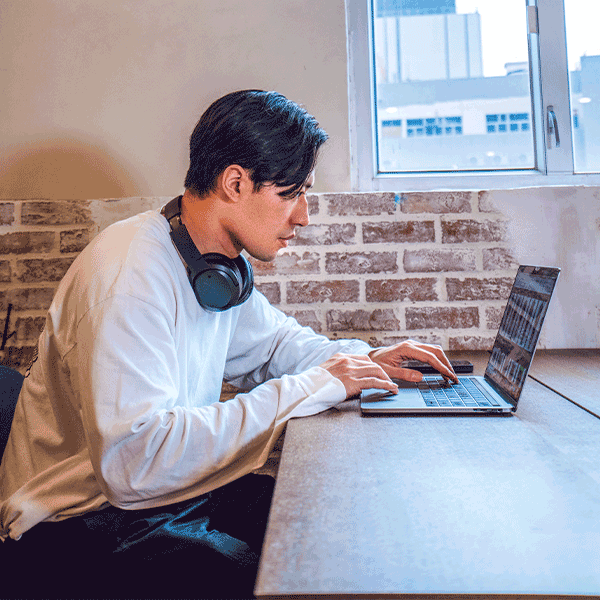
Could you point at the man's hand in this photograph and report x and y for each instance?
(390, 360)
(358, 373)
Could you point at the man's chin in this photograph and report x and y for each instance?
(262, 257)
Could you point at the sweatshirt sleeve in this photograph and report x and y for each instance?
(148, 445)
(267, 344)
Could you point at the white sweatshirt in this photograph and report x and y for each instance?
(122, 405)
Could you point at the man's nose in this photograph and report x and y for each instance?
(301, 217)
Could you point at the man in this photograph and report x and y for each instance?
(121, 458)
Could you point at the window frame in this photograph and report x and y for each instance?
(549, 86)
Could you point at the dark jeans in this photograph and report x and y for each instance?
(207, 547)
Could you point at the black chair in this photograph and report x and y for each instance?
(10, 386)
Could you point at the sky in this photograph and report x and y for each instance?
(504, 31)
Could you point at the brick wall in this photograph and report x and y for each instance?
(384, 267)
(39, 239)
(381, 267)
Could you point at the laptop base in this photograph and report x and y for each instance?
(411, 400)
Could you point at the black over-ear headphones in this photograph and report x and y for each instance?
(219, 282)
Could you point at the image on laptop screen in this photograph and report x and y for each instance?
(520, 328)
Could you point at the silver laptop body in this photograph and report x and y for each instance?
(498, 391)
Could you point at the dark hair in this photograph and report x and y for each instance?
(272, 137)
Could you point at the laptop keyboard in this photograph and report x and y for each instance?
(436, 392)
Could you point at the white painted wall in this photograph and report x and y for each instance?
(99, 97)
(560, 227)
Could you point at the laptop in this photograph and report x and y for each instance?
(498, 391)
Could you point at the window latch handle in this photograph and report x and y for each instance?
(552, 128)
(532, 19)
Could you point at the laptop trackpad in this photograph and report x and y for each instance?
(408, 396)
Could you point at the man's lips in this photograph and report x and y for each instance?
(287, 239)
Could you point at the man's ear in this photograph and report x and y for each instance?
(235, 182)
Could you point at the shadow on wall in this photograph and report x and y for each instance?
(66, 168)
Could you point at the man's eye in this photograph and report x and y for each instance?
(293, 196)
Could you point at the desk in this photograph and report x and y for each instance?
(403, 506)
(574, 374)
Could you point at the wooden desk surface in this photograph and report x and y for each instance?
(390, 506)
(573, 373)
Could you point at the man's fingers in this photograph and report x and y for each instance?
(391, 359)
(441, 363)
(368, 374)
(409, 374)
(433, 355)
(368, 383)
(358, 373)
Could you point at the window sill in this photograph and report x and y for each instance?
(433, 182)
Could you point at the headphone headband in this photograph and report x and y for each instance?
(185, 245)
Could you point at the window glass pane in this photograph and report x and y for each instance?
(453, 78)
(583, 51)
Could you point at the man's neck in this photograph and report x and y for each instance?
(204, 223)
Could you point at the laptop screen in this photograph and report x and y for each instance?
(520, 329)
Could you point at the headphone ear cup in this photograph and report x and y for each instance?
(222, 285)
(218, 282)
(247, 276)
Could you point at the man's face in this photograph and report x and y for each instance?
(270, 219)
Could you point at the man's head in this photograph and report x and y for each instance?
(271, 137)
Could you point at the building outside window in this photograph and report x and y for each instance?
(474, 87)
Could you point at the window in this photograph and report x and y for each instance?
(498, 123)
(474, 93)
